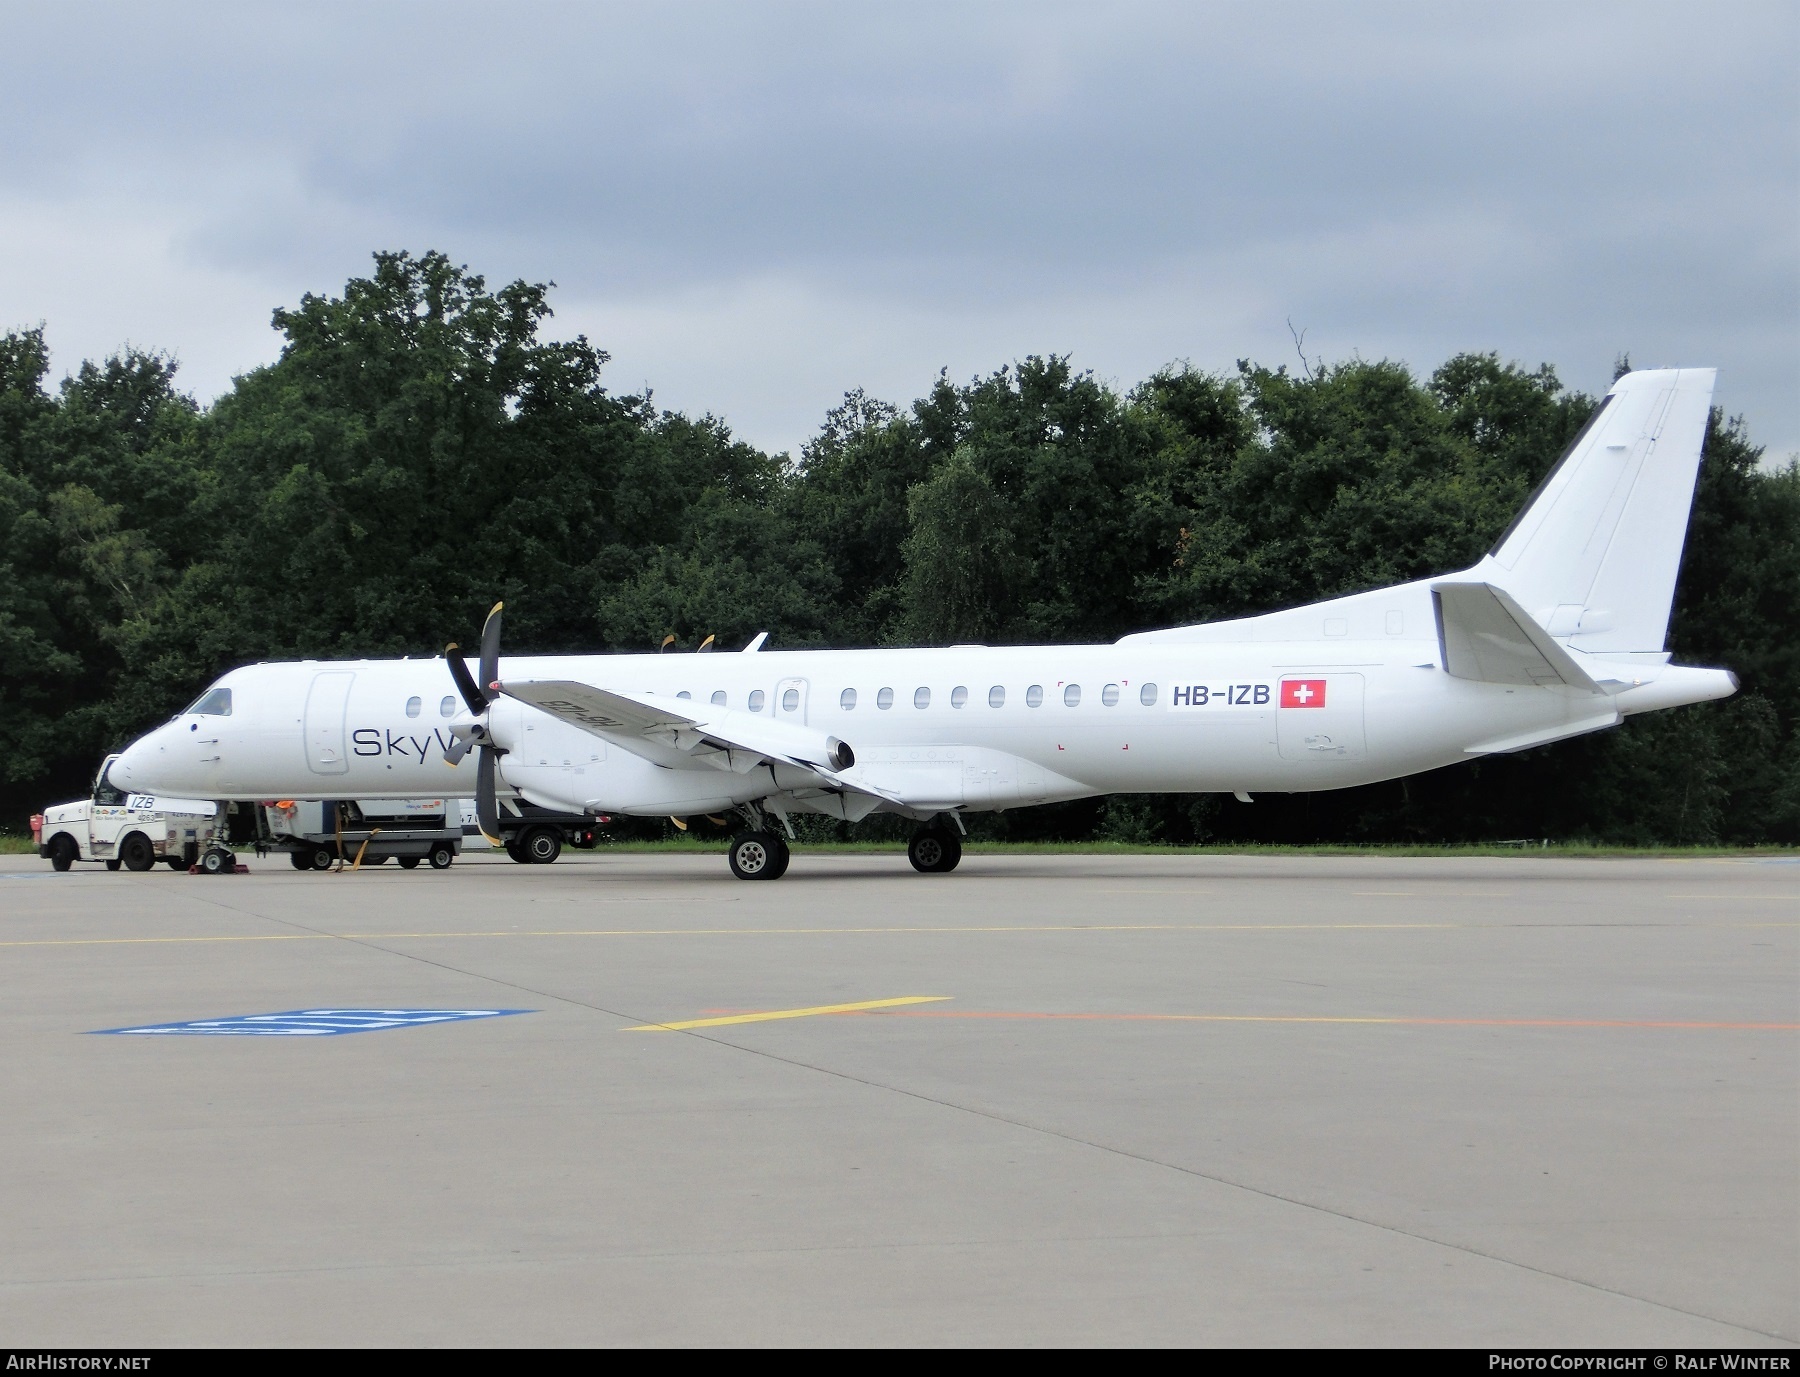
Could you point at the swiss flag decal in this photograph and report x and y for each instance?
(1302, 693)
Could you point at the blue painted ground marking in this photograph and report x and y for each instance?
(314, 1023)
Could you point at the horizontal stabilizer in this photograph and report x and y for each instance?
(1484, 635)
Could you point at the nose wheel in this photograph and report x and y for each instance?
(758, 856)
(934, 851)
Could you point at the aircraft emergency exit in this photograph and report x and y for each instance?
(1558, 631)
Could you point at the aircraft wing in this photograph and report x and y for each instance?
(689, 736)
(1485, 635)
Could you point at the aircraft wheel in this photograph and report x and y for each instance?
(64, 853)
(934, 851)
(540, 845)
(782, 856)
(136, 852)
(441, 856)
(217, 862)
(319, 858)
(408, 862)
(112, 865)
(757, 856)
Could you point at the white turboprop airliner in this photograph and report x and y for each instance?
(1557, 632)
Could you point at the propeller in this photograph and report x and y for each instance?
(477, 696)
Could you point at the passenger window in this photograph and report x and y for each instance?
(922, 698)
(1110, 695)
(847, 699)
(1072, 695)
(958, 696)
(885, 699)
(790, 701)
(996, 697)
(1147, 695)
(447, 707)
(718, 698)
(756, 700)
(684, 694)
(213, 703)
(1034, 695)
(413, 705)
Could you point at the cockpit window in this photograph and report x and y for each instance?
(213, 703)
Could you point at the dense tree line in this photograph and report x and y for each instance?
(421, 448)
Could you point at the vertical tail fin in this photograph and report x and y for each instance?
(1594, 553)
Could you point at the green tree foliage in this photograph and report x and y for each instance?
(422, 448)
(963, 577)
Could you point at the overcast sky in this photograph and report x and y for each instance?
(755, 207)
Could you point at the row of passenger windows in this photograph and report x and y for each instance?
(790, 698)
(959, 697)
(996, 696)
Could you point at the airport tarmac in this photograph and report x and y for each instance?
(1151, 1100)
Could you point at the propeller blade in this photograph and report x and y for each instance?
(490, 648)
(487, 806)
(472, 695)
(458, 748)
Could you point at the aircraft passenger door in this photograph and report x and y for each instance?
(326, 702)
(790, 701)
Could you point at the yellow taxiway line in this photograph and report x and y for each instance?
(768, 1015)
(1401, 1019)
(950, 929)
(954, 930)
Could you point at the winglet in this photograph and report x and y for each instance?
(756, 644)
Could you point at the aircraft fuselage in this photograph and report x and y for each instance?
(987, 727)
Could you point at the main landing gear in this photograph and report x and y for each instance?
(761, 853)
(934, 850)
(759, 856)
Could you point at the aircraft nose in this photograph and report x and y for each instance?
(126, 768)
(135, 769)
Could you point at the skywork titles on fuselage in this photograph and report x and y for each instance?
(371, 742)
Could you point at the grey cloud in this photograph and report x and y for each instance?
(1435, 177)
